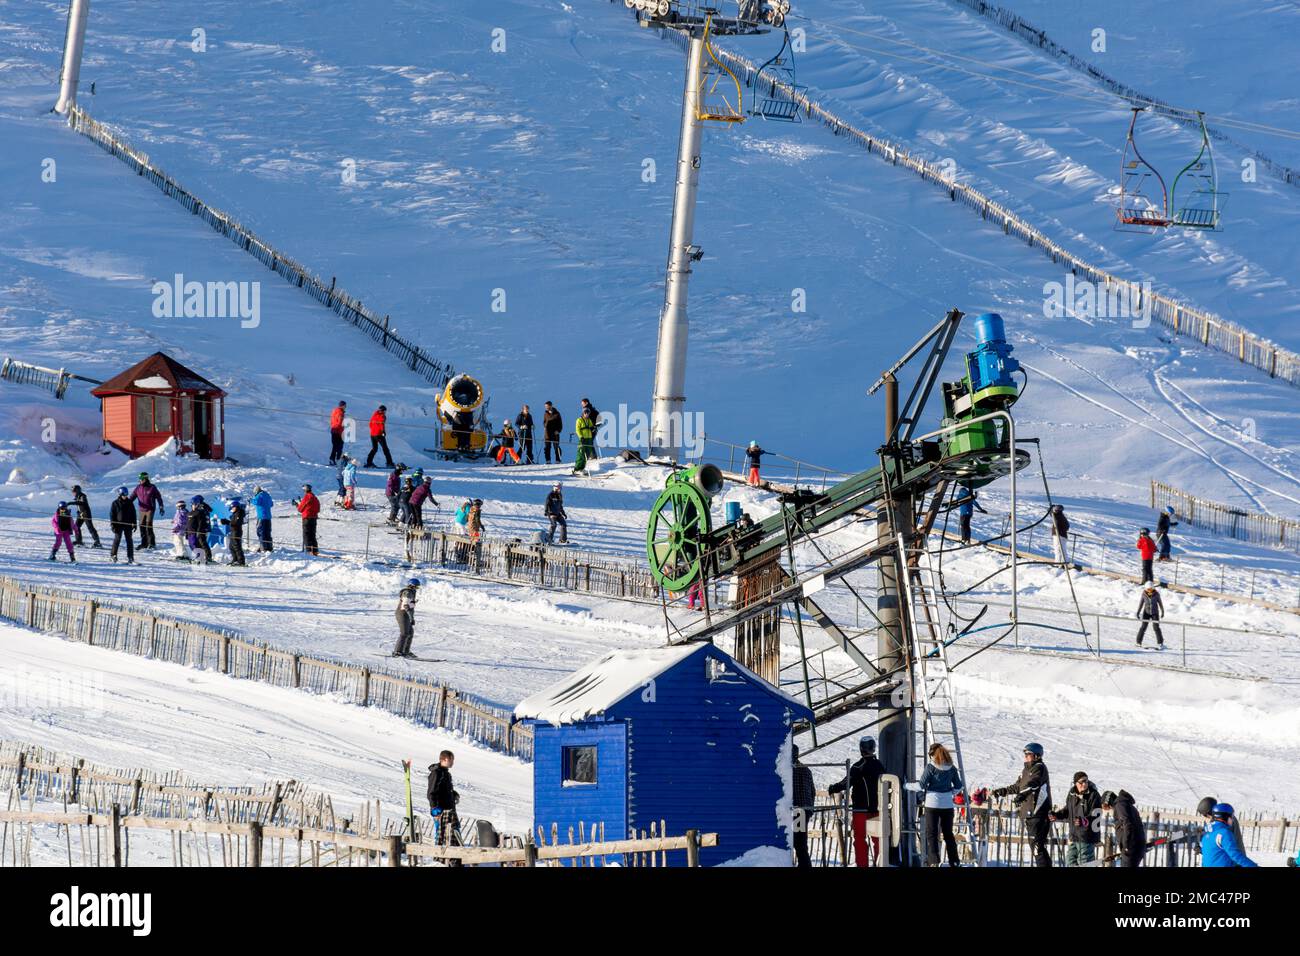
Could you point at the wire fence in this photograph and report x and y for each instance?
(1225, 519)
(1210, 330)
(337, 300)
(144, 633)
(1016, 24)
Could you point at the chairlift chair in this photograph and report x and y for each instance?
(781, 70)
(1200, 181)
(720, 98)
(1137, 211)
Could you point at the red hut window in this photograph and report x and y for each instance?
(153, 413)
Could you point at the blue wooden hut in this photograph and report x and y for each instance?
(681, 734)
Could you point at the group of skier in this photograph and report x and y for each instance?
(942, 793)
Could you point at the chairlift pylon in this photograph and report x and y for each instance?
(1136, 210)
(1203, 203)
(781, 68)
(716, 103)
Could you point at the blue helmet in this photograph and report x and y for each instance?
(1035, 749)
(414, 582)
(1223, 810)
(196, 500)
(1169, 509)
(236, 502)
(122, 490)
(62, 505)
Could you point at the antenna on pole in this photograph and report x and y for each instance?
(70, 74)
(706, 74)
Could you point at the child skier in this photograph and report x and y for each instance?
(349, 483)
(63, 528)
(180, 521)
(1163, 524)
(405, 614)
(754, 453)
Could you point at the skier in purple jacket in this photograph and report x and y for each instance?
(393, 489)
(148, 499)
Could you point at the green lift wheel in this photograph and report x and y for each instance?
(679, 524)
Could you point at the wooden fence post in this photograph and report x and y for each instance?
(692, 848)
(255, 844)
(91, 607)
(297, 671)
(442, 705)
(365, 687)
(394, 850)
(115, 836)
(223, 656)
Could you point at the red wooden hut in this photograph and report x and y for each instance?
(159, 399)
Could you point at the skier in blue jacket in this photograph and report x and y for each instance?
(966, 508)
(1218, 846)
(262, 505)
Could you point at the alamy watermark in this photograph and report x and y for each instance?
(208, 300)
(1084, 299)
(631, 429)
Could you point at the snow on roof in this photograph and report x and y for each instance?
(596, 687)
(153, 381)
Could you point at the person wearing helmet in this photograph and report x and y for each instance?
(505, 444)
(475, 523)
(863, 784)
(404, 494)
(555, 513)
(405, 614)
(754, 454)
(1031, 795)
(84, 517)
(1219, 848)
(121, 518)
(180, 521)
(1205, 810)
(235, 537)
(1147, 549)
(524, 426)
(198, 528)
(967, 504)
(1060, 533)
(1163, 523)
(309, 509)
(392, 489)
(63, 528)
(379, 437)
(349, 475)
(421, 492)
(262, 505)
(1130, 834)
(1150, 610)
(148, 499)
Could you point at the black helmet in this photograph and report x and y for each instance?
(401, 466)
(76, 489)
(1108, 798)
(1146, 530)
(867, 745)
(1206, 807)
(478, 501)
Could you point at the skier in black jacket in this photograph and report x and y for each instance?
(554, 510)
(236, 539)
(198, 527)
(552, 427)
(805, 798)
(1150, 610)
(863, 783)
(1060, 533)
(442, 801)
(524, 426)
(1130, 834)
(1081, 812)
(121, 518)
(1032, 795)
(1163, 523)
(84, 517)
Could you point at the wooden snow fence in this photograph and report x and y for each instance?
(144, 633)
(1226, 520)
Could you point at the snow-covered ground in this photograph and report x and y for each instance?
(522, 171)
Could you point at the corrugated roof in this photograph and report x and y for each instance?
(156, 366)
(598, 686)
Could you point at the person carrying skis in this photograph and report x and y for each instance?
(1147, 549)
(350, 484)
(939, 785)
(524, 426)
(337, 419)
(805, 799)
(379, 437)
(1163, 524)
(554, 511)
(442, 802)
(84, 517)
(180, 521)
(1060, 533)
(309, 510)
(405, 614)
(199, 527)
(392, 489)
(236, 539)
(1150, 610)
(63, 528)
(586, 429)
(121, 519)
(552, 428)
(1081, 812)
(262, 505)
(1219, 848)
(1032, 796)
(967, 505)
(754, 454)
(1130, 834)
(863, 783)
(148, 499)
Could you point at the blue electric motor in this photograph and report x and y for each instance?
(990, 364)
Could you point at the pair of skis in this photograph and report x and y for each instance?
(1177, 836)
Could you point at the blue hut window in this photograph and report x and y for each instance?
(579, 766)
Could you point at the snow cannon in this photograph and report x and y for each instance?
(462, 409)
(989, 386)
(680, 526)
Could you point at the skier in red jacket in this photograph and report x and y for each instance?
(309, 507)
(379, 437)
(337, 418)
(1147, 548)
